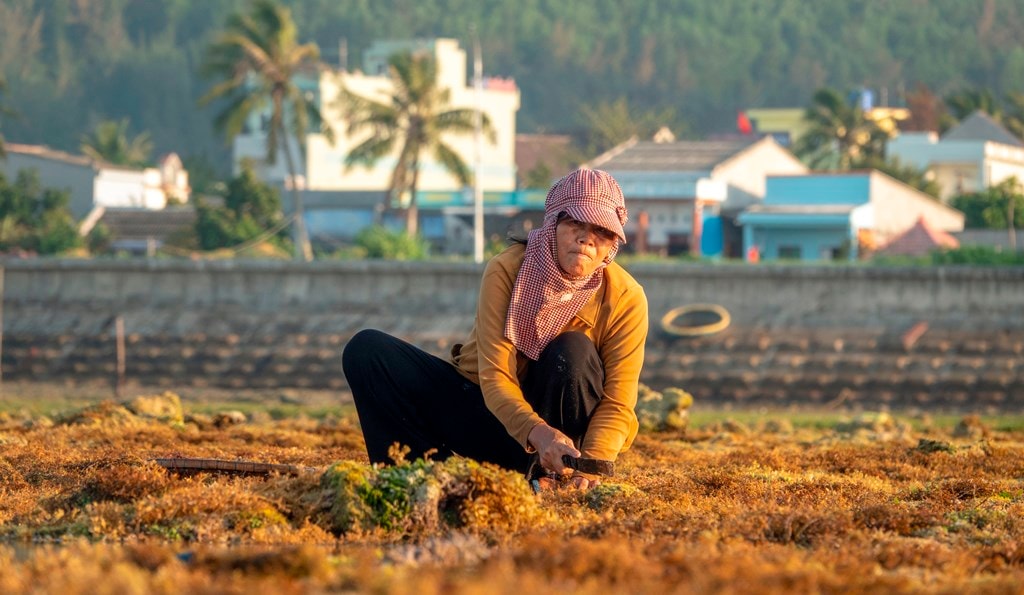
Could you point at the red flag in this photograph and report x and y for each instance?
(743, 123)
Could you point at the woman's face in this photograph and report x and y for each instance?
(582, 247)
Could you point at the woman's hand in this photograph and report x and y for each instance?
(577, 481)
(582, 481)
(551, 445)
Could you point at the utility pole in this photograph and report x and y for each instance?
(1009, 222)
(478, 187)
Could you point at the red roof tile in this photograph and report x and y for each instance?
(919, 240)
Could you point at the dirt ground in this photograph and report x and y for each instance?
(737, 501)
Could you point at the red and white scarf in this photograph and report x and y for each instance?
(544, 300)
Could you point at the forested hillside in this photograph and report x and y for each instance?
(72, 63)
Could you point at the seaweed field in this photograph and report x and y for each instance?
(705, 501)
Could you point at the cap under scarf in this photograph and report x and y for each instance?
(544, 299)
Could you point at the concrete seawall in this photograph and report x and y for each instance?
(241, 324)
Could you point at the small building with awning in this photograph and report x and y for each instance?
(837, 216)
(683, 196)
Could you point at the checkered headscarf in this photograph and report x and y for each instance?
(544, 300)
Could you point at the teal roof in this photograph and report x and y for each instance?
(797, 215)
(819, 189)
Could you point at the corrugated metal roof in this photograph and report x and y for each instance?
(44, 152)
(981, 126)
(141, 224)
(674, 156)
(48, 153)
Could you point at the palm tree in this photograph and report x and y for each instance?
(109, 142)
(838, 133)
(608, 124)
(414, 121)
(965, 102)
(4, 111)
(257, 58)
(1009, 112)
(1013, 117)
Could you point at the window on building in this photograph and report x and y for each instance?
(833, 253)
(789, 252)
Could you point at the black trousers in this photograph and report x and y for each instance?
(406, 395)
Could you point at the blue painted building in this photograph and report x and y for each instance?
(830, 216)
(445, 217)
(683, 195)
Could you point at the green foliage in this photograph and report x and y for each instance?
(964, 102)
(838, 134)
(35, 219)
(1008, 110)
(380, 242)
(991, 207)
(417, 120)
(109, 142)
(251, 209)
(4, 112)
(57, 232)
(539, 177)
(608, 496)
(663, 411)
(203, 176)
(609, 123)
(965, 255)
(257, 59)
(425, 495)
(495, 245)
(67, 62)
(908, 174)
(977, 255)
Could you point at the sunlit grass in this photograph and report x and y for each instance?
(767, 501)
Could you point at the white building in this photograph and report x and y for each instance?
(96, 184)
(681, 194)
(323, 173)
(970, 157)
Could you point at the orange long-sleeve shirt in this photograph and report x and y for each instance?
(615, 319)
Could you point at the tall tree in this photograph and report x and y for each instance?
(926, 110)
(4, 112)
(610, 123)
(258, 57)
(996, 207)
(109, 142)
(34, 218)
(415, 122)
(251, 208)
(1008, 111)
(838, 133)
(965, 102)
(1013, 117)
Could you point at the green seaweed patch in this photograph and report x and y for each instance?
(663, 411)
(607, 496)
(425, 495)
(106, 413)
